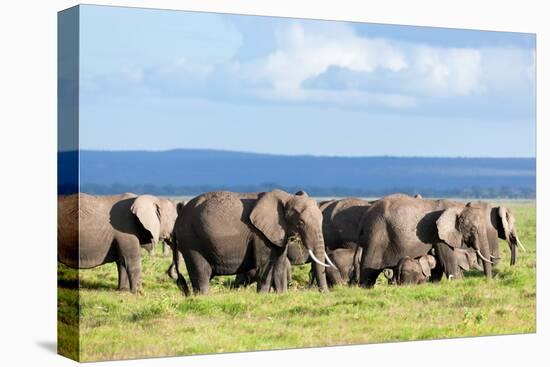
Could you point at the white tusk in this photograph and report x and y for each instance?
(494, 257)
(316, 259)
(451, 277)
(330, 261)
(520, 245)
(482, 257)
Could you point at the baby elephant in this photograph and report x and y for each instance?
(411, 271)
(346, 261)
(251, 276)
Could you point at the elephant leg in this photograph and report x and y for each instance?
(245, 279)
(439, 269)
(447, 258)
(265, 277)
(437, 273)
(368, 276)
(240, 280)
(123, 282)
(354, 276)
(133, 266)
(200, 271)
(334, 277)
(280, 274)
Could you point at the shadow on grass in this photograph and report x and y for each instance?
(480, 274)
(85, 284)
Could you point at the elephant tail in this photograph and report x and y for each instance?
(180, 280)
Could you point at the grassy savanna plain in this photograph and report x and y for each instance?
(159, 321)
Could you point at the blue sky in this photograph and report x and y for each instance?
(157, 80)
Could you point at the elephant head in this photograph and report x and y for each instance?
(466, 227)
(467, 259)
(411, 271)
(470, 226)
(157, 216)
(279, 215)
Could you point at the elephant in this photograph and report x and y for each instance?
(398, 226)
(341, 219)
(297, 254)
(411, 271)
(251, 276)
(95, 230)
(225, 233)
(467, 259)
(347, 264)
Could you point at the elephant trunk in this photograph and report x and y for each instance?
(484, 252)
(513, 243)
(319, 270)
(316, 248)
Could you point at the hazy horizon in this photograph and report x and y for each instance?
(295, 155)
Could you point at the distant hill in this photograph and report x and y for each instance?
(190, 171)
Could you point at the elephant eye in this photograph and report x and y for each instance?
(300, 223)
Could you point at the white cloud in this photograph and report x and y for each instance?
(410, 71)
(439, 70)
(320, 62)
(302, 55)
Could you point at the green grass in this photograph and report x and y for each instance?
(159, 321)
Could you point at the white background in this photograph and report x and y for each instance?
(28, 181)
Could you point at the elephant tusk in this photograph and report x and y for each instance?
(483, 257)
(330, 261)
(495, 257)
(520, 245)
(316, 259)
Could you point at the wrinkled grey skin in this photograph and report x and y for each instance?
(398, 226)
(347, 265)
(225, 233)
(411, 271)
(95, 230)
(341, 224)
(341, 221)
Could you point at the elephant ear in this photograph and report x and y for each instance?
(426, 266)
(447, 227)
(145, 207)
(268, 217)
(504, 221)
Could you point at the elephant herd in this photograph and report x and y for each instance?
(259, 236)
